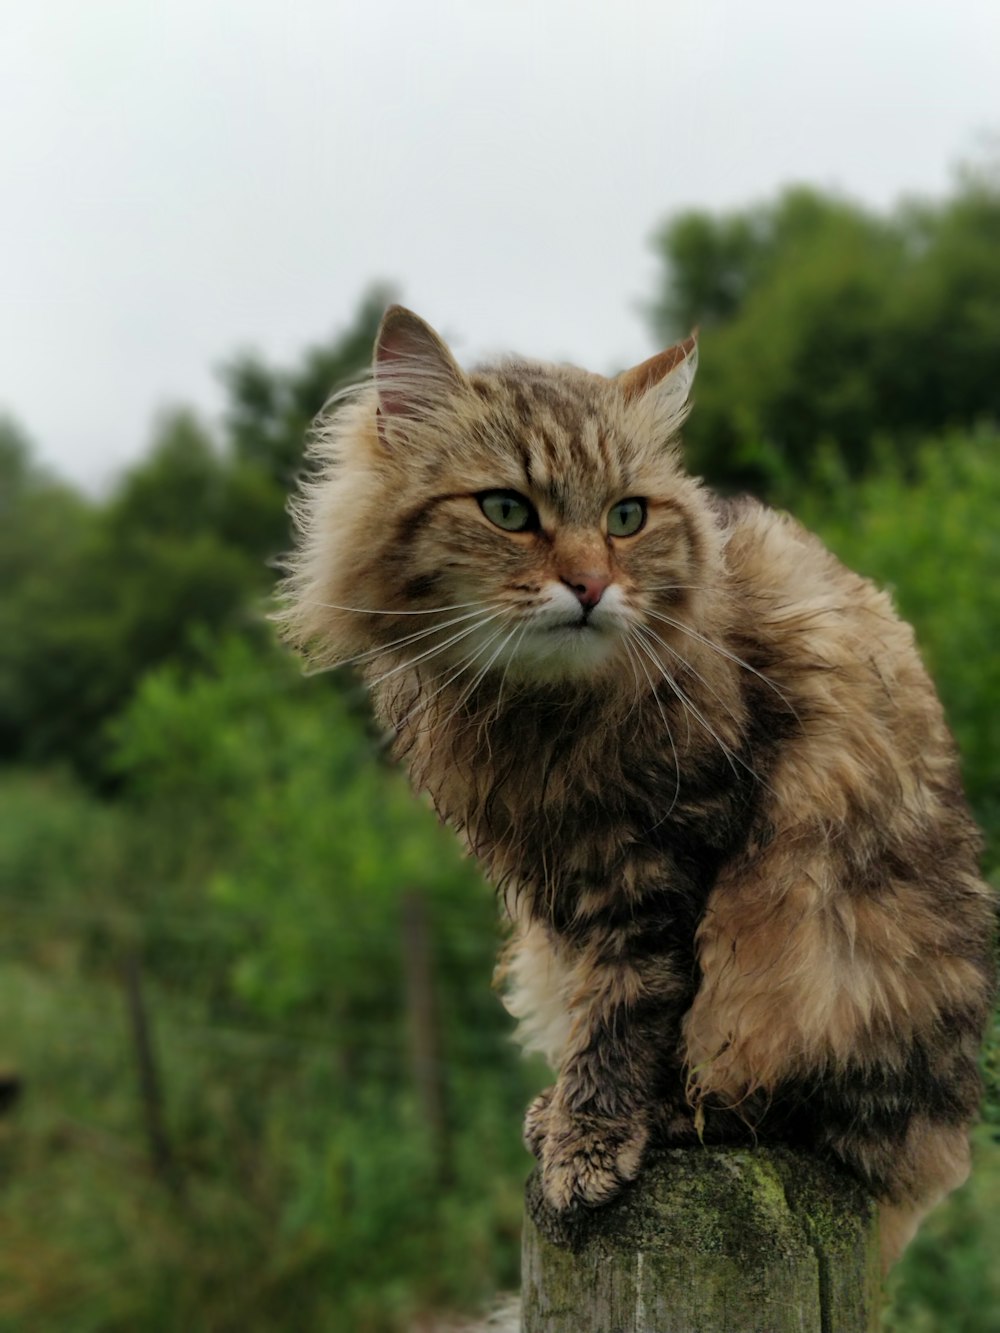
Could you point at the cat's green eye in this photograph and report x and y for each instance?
(626, 518)
(508, 510)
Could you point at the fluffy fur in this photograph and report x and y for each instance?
(720, 801)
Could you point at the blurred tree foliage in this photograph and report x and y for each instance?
(44, 528)
(270, 411)
(241, 756)
(95, 594)
(824, 322)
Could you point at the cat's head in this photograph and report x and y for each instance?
(522, 518)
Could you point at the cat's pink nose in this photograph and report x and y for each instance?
(589, 588)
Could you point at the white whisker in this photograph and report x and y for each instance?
(699, 677)
(432, 652)
(674, 587)
(503, 679)
(666, 724)
(731, 757)
(467, 660)
(724, 652)
(394, 644)
(637, 694)
(369, 611)
(480, 675)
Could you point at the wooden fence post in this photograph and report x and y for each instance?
(709, 1240)
(425, 1047)
(161, 1155)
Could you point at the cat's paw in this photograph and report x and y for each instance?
(588, 1159)
(536, 1122)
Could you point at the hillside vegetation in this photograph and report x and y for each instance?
(243, 1104)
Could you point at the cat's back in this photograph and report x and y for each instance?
(808, 613)
(869, 743)
(776, 559)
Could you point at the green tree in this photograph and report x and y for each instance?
(270, 410)
(45, 528)
(824, 322)
(99, 593)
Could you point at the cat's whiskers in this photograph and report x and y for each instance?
(637, 691)
(666, 725)
(395, 644)
(738, 723)
(468, 690)
(483, 718)
(495, 712)
(372, 611)
(740, 727)
(663, 671)
(433, 652)
(675, 587)
(723, 652)
(424, 700)
(731, 757)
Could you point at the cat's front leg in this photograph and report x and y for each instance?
(587, 1157)
(590, 1131)
(536, 1122)
(584, 1159)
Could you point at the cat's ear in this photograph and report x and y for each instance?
(413, 367)
(670, 374)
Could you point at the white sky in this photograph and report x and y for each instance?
(183, 179)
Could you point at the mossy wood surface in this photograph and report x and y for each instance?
(709, 1240)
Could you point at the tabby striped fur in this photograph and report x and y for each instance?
(723, 810)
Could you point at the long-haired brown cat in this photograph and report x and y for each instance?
(698, 757)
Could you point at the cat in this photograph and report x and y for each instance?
(699, 759)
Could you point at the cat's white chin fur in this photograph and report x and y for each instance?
(557, 644)
(563, 652)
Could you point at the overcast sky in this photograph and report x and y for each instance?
(185, 179)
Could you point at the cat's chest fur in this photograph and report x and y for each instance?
(582, 817)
